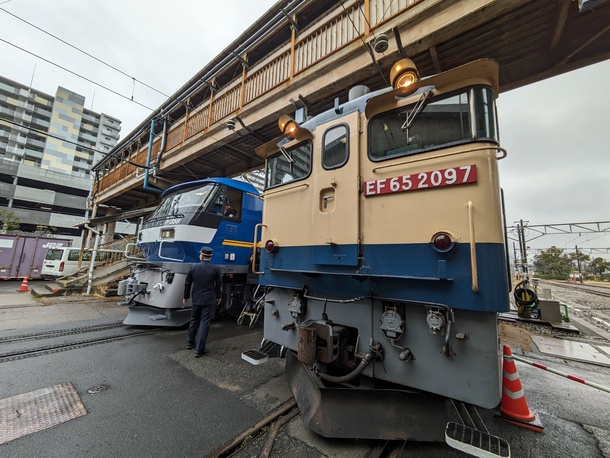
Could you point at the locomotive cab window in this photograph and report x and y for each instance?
(336, 147)
(181, 206)
(458, 118)
(290, 164)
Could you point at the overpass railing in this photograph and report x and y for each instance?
(348, 22)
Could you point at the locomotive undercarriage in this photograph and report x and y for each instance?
(154, 293)
(384, 369)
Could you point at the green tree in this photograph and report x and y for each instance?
(553, 264)
(599, 265)
(43, 229)
(9, 221)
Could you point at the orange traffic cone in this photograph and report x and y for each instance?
(24, 286)
(514, 408)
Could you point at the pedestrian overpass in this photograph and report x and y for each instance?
(307, 53)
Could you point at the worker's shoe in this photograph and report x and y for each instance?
(190, 346)
(200, 354)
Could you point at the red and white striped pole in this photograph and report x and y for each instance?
(555, 371)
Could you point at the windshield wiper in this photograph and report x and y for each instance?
(411, 115)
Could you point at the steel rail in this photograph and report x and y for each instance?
(60, 332)
(23, 354)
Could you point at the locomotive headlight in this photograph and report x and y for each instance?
(291, 129)
(168, 233)
(443, 242)
(403, 74)
(288, 126)
(271, 245)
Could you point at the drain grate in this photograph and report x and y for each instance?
(37, 410)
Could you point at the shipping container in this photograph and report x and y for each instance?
(22, 255)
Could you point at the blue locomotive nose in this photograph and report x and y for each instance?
(216, 214)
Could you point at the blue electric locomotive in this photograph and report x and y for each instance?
(219, 213)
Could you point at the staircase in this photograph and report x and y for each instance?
(110, 267)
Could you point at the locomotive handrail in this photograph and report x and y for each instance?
(128, 256)
(165, 257)
(473, 248)
(453, 153)
(254, 248)
(338, 301)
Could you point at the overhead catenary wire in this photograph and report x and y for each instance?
(76, 74)
(85, 52)
(110, 154)
(65, 140)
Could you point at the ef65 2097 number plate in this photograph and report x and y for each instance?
(451, 176)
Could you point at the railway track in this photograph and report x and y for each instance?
(13, 348)
(595, 290)
(259, 440)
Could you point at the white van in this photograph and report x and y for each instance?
(59, 262)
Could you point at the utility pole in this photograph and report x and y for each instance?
(578, 264)
(522, 248)
(515, 258)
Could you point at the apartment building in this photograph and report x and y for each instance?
(47, 147)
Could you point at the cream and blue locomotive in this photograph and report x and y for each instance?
(219, 213)
(384, 254)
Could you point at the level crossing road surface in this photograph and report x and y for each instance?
(147, 396)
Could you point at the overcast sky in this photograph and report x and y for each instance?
(556, 132)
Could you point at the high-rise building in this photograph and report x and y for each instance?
(47, 147)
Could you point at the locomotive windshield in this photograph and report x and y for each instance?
(459, 118)
(289, 164)
(182, 204)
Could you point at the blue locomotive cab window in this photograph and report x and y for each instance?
(458, 118)
(290, 164)
(181, 206)
(336, 147)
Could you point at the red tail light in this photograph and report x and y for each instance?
(271, 245)
(442, 242)
(61, 266)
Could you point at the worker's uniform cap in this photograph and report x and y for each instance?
(206, 251)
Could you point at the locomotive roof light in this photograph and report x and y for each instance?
(403, 74)
(443, 242)
(287, 125)
(291, 129)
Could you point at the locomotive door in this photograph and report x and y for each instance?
(336, 208)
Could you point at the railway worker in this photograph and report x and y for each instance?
(228, 210)
(203, 283)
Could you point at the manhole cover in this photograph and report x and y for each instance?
(97, 389)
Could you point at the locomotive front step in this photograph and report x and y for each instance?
(475, 442)
(268, 350)
(255, 357)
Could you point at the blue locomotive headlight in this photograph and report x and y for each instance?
(168, 233)
(442, 242)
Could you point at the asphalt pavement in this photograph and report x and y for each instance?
(160, 401)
